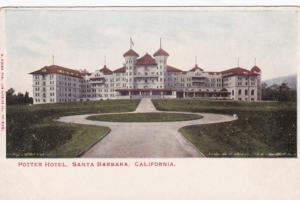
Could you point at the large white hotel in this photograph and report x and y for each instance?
(146, 76)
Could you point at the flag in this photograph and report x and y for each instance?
(131, 43)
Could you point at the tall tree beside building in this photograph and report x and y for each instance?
(20, 98)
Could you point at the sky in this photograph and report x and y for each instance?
(80, 39)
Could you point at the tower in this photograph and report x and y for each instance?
(130, 60)
(256, 70)
(161, 57)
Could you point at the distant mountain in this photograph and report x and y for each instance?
(290, 80)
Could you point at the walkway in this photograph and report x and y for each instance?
(145, 140)
(146, 105)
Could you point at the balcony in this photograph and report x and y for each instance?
(145, 75)
(97, 80)
(199, 79)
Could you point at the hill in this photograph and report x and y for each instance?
(290, 80)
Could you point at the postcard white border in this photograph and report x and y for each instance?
(192, 178)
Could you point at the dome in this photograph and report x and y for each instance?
(160, 52)
(255, 69)
(131, 52)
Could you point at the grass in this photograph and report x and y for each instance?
(264, 129)
(83, 137)
(31, 131)
(145, 117)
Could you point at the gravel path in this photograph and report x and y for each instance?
(145, 140)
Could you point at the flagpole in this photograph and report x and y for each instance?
(130, 43)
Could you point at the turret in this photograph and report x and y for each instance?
(255, 69)
(161, 57)
(130, 60)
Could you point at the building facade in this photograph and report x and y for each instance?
(146, 76)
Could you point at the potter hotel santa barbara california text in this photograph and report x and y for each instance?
(146, 76)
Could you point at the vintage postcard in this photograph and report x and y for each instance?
(129, 88)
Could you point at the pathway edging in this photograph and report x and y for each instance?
(93, 144)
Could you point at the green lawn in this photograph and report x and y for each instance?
(145, 117)
(31, 131)
(264, 129)
(82, 138)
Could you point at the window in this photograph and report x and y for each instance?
(252, 92)
(240, 91)
(232, 92)
(246, 92)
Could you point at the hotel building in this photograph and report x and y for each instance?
(146, 76)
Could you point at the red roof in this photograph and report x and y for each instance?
(55, 69)
(195, 68)
(172, 69)
(130, 52)
(120, 70)
(146, 60)
(237, 71)
(105, 70)
(256, 69)
(160, 52)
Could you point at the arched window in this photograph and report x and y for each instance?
(252, 92)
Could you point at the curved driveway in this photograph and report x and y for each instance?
(145, 139)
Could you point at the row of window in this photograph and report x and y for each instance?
(38, 100)
(245, 92)
(245, 78)
(98, 95)
(44, 83)
(246, 83)
(99, 90)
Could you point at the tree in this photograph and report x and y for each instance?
(10, 96)
(20, 98)
(278, 93)
(284, 92)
